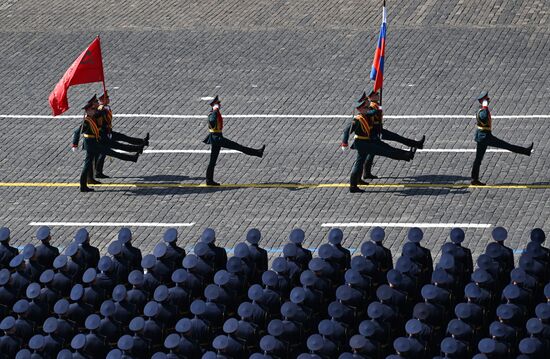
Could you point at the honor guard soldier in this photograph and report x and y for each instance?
(131, 254)
(112, 138)
(484, 138)
(7, 252)
(303, 255)
(258, 255)
(386, 135)
(174, 254)
(500, 234)
(89, 252)
(90, 129)
(45, 252)
(220, 259)
(367, 142)
(385, 261)
(216, 139)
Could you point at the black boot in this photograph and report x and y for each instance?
(420, 144)
(102, 175)
(362, 183)
(210, 177)
(412, 151)
(135, 157)
(355, 189)
(86, 189)
(529, 149)
(261, 151)
(476, 182)
(369, 176)
(146, 140)
(93, 181)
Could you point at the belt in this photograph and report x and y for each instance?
(357, 137)
(214, 131)
(90, 136)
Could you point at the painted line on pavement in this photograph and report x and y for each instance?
(188, 151)
(269, 116)
(276, 185)
(111, 224)
(407, 225)
(432, 150)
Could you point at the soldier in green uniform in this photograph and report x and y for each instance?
(386, 135)
(91, 143)
(216, 139)
(368, 142)
(484, 138)
(112, 138)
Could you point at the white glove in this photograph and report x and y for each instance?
(344, 148)
(73, 149)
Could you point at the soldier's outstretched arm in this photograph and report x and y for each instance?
(348, 130)
(76, 137)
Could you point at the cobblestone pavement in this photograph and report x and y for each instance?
(278, 58)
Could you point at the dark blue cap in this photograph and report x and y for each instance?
(77, 291)
(297, 236)
(280, 265)
(245, 310)
(107, 308)
(335, 236)
(230, 326)
(404, 264)
(61, 306)
(377, 234)
(534, 326)
(463, 311)
(119, 293)
(43, 233)
(411, 250)
(253, 236)
(81, 236)
(384, 292)
(255, 292)
(7, 323)
(530, 346)
(297, 295)
(148, 261)
(172, 341)
(506, 311)
(289, 310)
(494, 250)
(449, 346)
(4, 276)
(499, 234)
(457, 235)
(222, 277)
(71, 249)
(518, 275)
(160, 250)
(352, 277)
(4, 234)
(137, 324)
(336, 310)
(326, 251)
(290, 250)
(241, 251)
(125, 342)
(316, 264)
(78, 342)
(415, 235)
(159, 355)
(151, 309)
(37, 342)
(439, 276)
(481, 276)
(413, 326)
(65, 354)
(208, 235)
(482, 96)
(115, 248)
(124, 235)
(221, 342)
(375, 310)
(135, 277)
(447, 261)
(402, 345)
(28, 251)
(21, 306)
(511, 292)
(547, 291)
(449, 248)
(89, 275)
(190, 261)
(275, 327)
(268, 343)
(234, 265)
(17, 261)
(92, 322)
(105, 264)
(33, 290)
(183, 325)
(421, 311)
(326, 327)
(542, 311)
(458, 328)
(60, 261)
(270, 278)
(212, 292)
(358, 342)
(171, 235)
(202, 250)
(498, 329)
(46, 276)
(537, 235)
(429, 292)
(161, 293)
(198, 307)
(180, 275)
(114, 354)
(315, 342)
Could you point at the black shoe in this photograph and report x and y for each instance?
(362, 183)
(530, 149)
(412, 151)
(146, 140)
(86, 189)
(140, 151)
(212, 183)
(135, 157)
(93, 181)
(101, 175)
(355, 189)
(421, 142)
(262, 151)
(477, 183)
(369, 176)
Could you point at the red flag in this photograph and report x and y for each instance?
(88, 67)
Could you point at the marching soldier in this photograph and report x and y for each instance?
(112, 138)
(90, 130)
(386, 135)
(216, 139)
(484, 138)
(367, 142)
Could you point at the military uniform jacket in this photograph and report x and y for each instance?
(90, 128)
(484, 124)
(106, 115)
(362, 126)
(375, 112)
(215, 127)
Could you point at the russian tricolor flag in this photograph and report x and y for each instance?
(377, 72)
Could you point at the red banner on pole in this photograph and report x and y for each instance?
(88, 67)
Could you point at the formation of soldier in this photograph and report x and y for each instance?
(173, 304)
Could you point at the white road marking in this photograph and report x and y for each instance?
(188, 151)
(407, 225)
(433, 150)
(111, 224)
(266, 116)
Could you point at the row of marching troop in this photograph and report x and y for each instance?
(173, 304)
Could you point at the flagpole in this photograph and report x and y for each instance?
(103, 77)
(382, 88)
